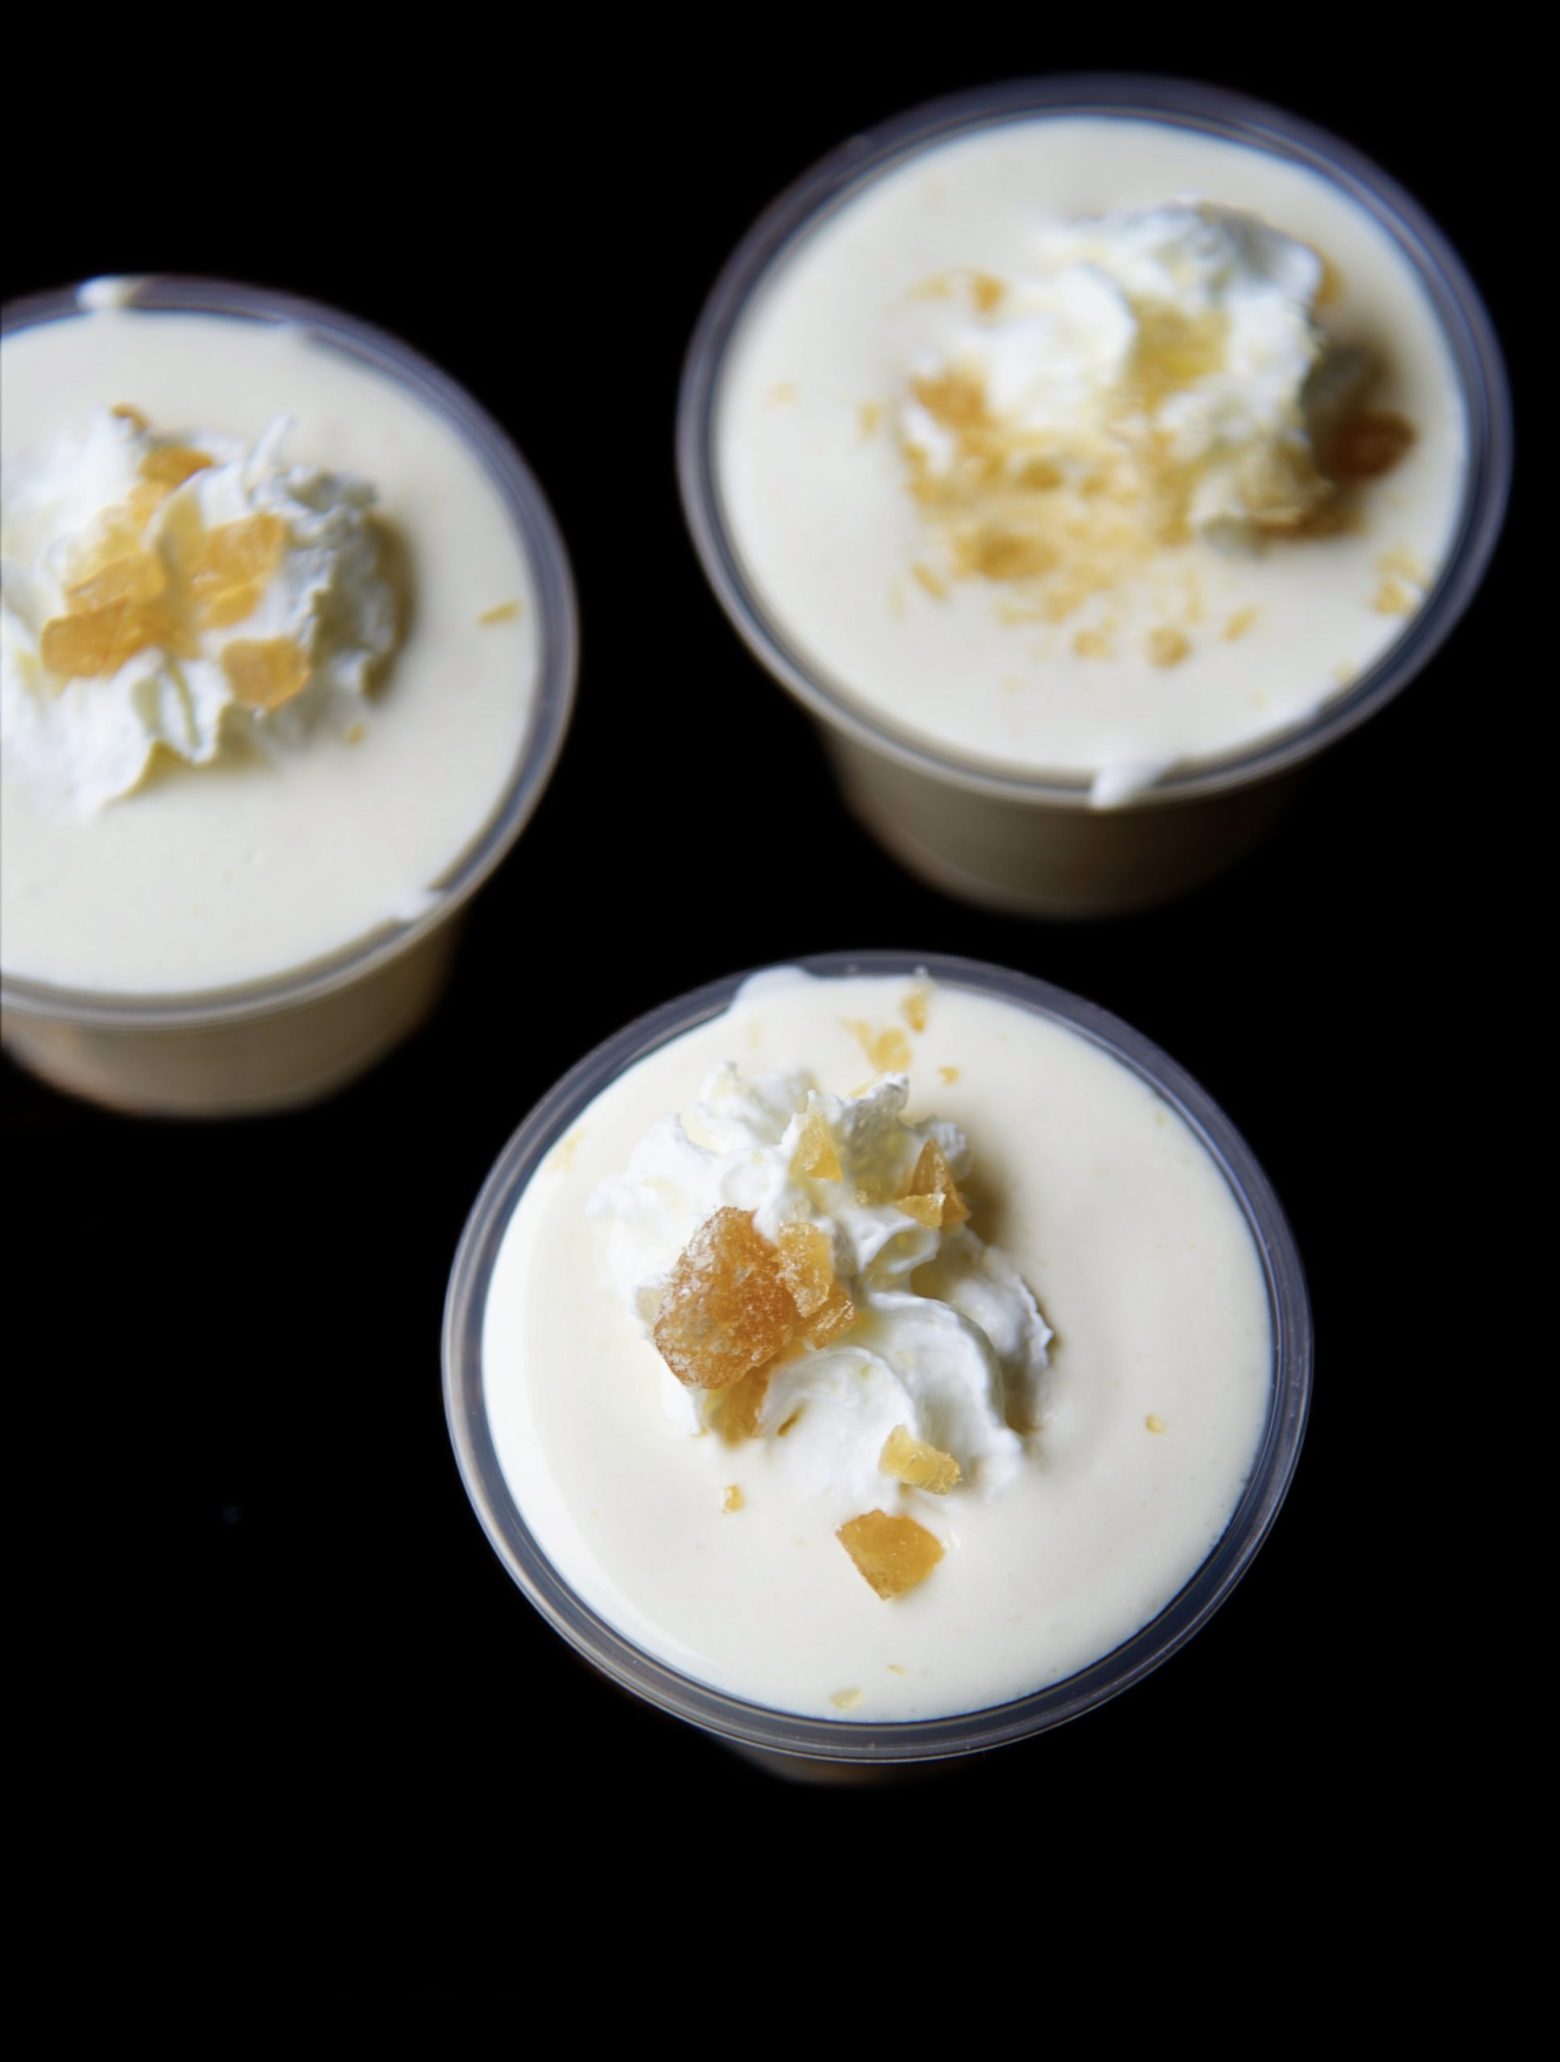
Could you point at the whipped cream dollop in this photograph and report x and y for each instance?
(174, 592)
(1180, 341)
(944, 1341)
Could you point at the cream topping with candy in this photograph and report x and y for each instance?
(807, 1269)
(1158, 375)
(177, 592)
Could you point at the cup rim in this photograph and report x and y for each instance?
(836, 179)
(557, 669)
(842, 1740)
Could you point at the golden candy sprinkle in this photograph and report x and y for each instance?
(949, 1074)
(172, 464)
(815, 1155)
(741, 1406)
(913, 1009)
(123, 596)
(126, 413)
(918, 1465)
(892, 1554)
(846, 1700)
(1154, 1423)
(1392, 599)
(1168, 647)
(1239, 624)
(501, 612)
(807, 1266)
(726, 1310)
(228, 568)
(97, 642)
(933, 583)
(265, 672)
(933, 1177)
(115, 567)
(733, 1500)
(888, 1051)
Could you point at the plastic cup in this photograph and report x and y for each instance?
(1031, 843)
(294, 1037)
(822, 1749)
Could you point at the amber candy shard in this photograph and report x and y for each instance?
(92, 643)
(115, 566)
(726, 1309)
(888, 1051)
(228, 567)
(832, 1317)
(893, 1554)
(741, 1406)
(265, 672)
(173, 464)
(807, 1263)
(918, 1464)
(932, 1176)
(815, 1154)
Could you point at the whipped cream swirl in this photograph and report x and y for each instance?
(1184, 334)
(947, 1341)
(177, 593)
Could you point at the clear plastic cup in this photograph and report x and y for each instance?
(295, 1037)
(821, 1749)
(1031, 843)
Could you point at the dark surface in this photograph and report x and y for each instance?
(284, 1635)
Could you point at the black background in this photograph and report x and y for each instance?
(276, 1638)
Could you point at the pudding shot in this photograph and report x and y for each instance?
(1086, 455)
(286, 655)
(873, 1362)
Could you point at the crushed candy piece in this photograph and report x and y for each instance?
(888, 1051)
(1168, 647)
(914, 1008)
(173, 464)
(90, 643)
(837, 1315)
(501, 612)
(927, 1210)
(126, 413)
(846, 1700)
(733, 1500)
(115, 567)
(742, 1405)
(807, 1263)
(265, 672)
(1391, 598)
(1154, 1422)
(229, 567)
(726, 1309)
(949, 1074)
(917, 1464)
(932, 1176)
(893, 1554)
(815, 1154)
